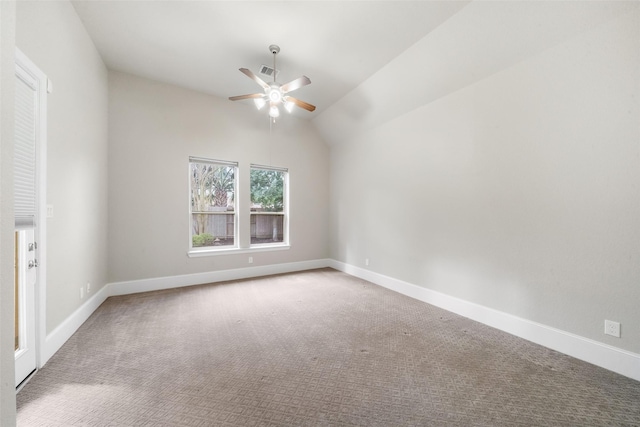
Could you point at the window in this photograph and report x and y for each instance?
(212, 188)
(213, 209)
(269, 222)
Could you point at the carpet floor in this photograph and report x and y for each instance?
(315, 348)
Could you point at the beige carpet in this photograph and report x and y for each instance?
(317, 348)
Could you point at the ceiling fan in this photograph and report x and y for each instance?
(274, 93)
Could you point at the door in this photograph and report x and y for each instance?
(29, 156)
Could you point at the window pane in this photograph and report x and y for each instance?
(267, 228)
(212, 204)
(267, 206)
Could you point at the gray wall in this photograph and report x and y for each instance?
(519, 192)
(153, 129)
(7, 82)
(53, 37)
(518, 189)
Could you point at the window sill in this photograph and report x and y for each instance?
(234, 251)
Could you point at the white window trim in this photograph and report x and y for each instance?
(234, 251)
(220, 250)
(285, 224)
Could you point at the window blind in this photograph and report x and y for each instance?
(25, 154)
(269, 168)
(211, 161)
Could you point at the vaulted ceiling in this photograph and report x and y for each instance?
(368, 60)
(201, 44)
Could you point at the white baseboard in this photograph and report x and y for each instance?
(159, 283)
(63, 332)
(614, 359)
(66, 329)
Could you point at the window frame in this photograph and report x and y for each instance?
(242, 231)
(208, 250)
(285, 208)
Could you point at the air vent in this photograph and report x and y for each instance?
(268, 71)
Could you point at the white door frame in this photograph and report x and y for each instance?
(43, 86)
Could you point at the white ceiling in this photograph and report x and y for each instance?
(482, 39)
(201, 44)
(367, 60)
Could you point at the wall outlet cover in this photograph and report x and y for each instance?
(612, 328)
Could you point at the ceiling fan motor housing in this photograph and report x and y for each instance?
(274, 92)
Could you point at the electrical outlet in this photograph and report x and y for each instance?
(366, 261)
(49, 211)
(612, 328)
(88, 287)
(250, 260)
(81, 292)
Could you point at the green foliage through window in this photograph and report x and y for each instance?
(267, 189)
(212, 187)
(204, 239)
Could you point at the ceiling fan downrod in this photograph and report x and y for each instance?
(275, 49)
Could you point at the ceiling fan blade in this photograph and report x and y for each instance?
(300, 104)
(251, 96)
(295, 84)
(255, 78)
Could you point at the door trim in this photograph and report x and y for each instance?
(41, 81)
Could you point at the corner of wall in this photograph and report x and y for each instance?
(7, 73)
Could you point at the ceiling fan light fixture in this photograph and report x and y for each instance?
(275, 95)
(260, 102)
